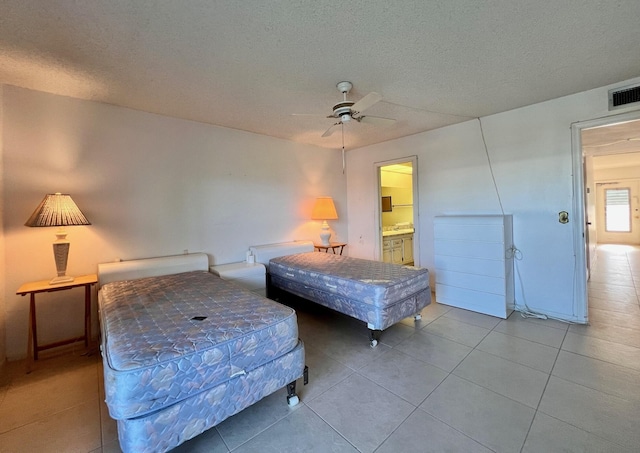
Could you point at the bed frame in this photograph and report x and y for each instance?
(167, 427)
(377, 317)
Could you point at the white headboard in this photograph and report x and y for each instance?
(264, 253)
(151, 267)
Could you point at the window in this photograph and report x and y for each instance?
(617, 210)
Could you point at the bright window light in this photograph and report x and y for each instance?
(617, 211)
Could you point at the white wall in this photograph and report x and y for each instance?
(3, 317)
(150, 185)
(402, 199)
(530, 149)
(616, 174)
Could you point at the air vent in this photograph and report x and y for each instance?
(622, 97)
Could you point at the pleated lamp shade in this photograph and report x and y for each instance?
(58, 210)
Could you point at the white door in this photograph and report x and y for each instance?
(618, 215)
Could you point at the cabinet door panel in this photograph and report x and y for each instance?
(396, 252)
(407, 247)
(386, 250)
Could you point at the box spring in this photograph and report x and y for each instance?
(172, 343)
(377, 293)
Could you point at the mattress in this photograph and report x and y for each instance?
(168, 338)
(375, 292)
(164, 429)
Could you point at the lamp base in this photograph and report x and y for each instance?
(61, 279)
(325, 234)
(60, 255)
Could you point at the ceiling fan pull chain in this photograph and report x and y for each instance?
(343, 162)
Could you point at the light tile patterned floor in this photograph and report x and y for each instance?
(455, 381)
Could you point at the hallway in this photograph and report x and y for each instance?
(614, 298)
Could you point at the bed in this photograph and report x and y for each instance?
(183, 349)
(378, 293)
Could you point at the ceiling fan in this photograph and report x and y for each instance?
(348, 111)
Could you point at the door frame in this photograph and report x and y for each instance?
(416, 211)
(581, 296)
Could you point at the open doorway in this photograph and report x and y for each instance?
(397, 213)
(606, 171)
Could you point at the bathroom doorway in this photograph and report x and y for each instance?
(397, 211)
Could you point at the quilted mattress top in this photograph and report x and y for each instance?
(373, 282)
(167, 337)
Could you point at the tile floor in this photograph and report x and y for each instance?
(456, 381)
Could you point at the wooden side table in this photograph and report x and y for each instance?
(332, 245)
(43, 286)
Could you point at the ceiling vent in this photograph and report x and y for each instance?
(622, 97)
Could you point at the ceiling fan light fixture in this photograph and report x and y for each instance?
(347, 110)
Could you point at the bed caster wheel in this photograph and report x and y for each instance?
(293, 400)
(373, 343)
(417, 317)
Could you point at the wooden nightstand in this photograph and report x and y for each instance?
(43, 286)
(332, 245)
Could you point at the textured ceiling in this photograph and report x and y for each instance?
(250, 64)
(614, 146)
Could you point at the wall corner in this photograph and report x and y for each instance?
(3, 307)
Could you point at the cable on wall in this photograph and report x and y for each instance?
(524, 309)
(493, 178)
(513, 251)
(420, 109)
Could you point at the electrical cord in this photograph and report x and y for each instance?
(514, 253)
(493, 178)
(524, 309)
(425, 110)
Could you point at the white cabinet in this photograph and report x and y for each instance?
(250, 275)
(407, 249)
(474, 263)
(386, 251)
(398, 249)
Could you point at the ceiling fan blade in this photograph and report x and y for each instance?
(377, 121)
(329, 131)
(315, 115)
(366, 102)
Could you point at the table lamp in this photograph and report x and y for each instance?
(324, 210)
(58, 210)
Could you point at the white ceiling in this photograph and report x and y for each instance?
(250, 64)
(614, 146)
